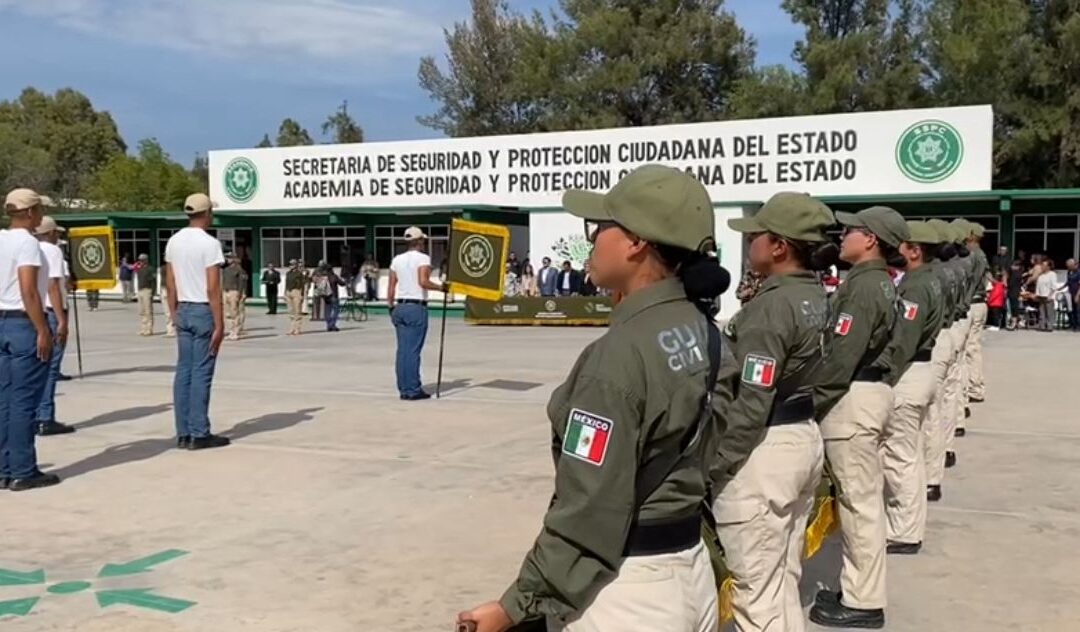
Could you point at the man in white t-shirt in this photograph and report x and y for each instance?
(1045, 287)
(48, 233)
(410, 280)
(193, 276)
(25, 342)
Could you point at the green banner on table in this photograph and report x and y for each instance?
(93, 257)
(570, 310)
(478, 258)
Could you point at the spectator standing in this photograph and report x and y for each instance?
(295, 281)
(370, 272)
(1002, 261)
(1072, 286)
(93, 299)
(995, 301)
(48, 234)
(588, 288)
(547, 279)
(271, 279)
(410, 280)
(25, 341)
(569, 280)
(193, 276)
(1014, 286)
(127, 279)
(514, 264)
(1045, 284)
(146, 277)
(234, 280)
(318, 292)
(331, 295)
(511, 284)
(528, 281)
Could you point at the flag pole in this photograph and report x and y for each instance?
(442, 334)
(78, 337)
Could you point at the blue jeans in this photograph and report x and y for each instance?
(411, 324)
(194, 369)
(333, 310)
(46, 410)
(21, 378)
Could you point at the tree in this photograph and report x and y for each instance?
(22, 165)
(770, 91)
(149, 181)
(200, 171)
(494, 65)
(265, 142)
(78, 139)
(859, 55)
(343, 127)
(290, 134)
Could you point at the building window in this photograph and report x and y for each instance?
(339, 247)
(389, 243)
(132, 243)
(1056, 236)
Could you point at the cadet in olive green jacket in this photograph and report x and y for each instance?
(908, 357)
(854, 402)
(942, 359)
(956, 379)
(769, 459)
(601, 562)
(975, 389)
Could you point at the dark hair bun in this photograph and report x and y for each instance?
(824, 256)
(704, 278)
(962, 251)
(946, 252)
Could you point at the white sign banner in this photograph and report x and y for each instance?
(871, 153)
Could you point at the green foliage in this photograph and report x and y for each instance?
(265, 142)
(150, 181)
(290, 134)
(342, 128)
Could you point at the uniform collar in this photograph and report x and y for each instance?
(866, 266)
(926, 268)
(665, 291)
(795, 278)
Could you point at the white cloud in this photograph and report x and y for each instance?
(325, 29)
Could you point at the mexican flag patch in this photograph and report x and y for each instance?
(759, 370)
(911, 310)
(587, 436)
(843, 324)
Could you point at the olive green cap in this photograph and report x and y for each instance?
(660, 204)
(921, 233)
(962, 230)
(977, 229)
(792, 215)
(886, 223)
(942, 230)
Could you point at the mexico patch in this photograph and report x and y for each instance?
(759, 370)
(911, 310)
(587, 436)
(843, 324)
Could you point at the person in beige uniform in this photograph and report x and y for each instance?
(956, 379)
(146, 280)
(975, 388)
(295, 282)
(942, 357)
(909, 356)
(854, 401)
(769, 455)
(234, 281)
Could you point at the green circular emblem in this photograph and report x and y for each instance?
(241, 180)
(476, 256)
(91, 255)
(929, 151)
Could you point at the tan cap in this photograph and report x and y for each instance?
(660, 204)
(21, 199)
(922, 233)
(961, 230)
(48, 225)
(414, 232)
(792, 215)
(886, 223)
(197, 203)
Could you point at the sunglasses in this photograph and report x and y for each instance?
(593, 229)
(857, 229)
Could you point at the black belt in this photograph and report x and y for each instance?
(663, 536)
(13, 313)
(411, 301)
(192, 303)
(869, 374)
(922, 356)
(795, 409)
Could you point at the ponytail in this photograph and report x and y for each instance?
(813, 255)
(702, 276)
(892, 255)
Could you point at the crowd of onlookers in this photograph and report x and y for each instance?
(522, 279)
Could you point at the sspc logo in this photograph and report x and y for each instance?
(929, 151)
(476, 256)
(241, 180)
(91, 255)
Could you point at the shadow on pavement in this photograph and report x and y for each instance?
(118, 455)
(126, 414)
(270, 423)
(447, 386)
(161, 368)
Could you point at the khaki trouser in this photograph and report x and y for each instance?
(904, 452)
(955, 392)
(674, 592)
(761, 517)
(853, 433)
(146, 312)
(976, 383)
(934, 427)
(295, 300)
(235, 314)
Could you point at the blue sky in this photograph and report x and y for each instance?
(217, 74)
